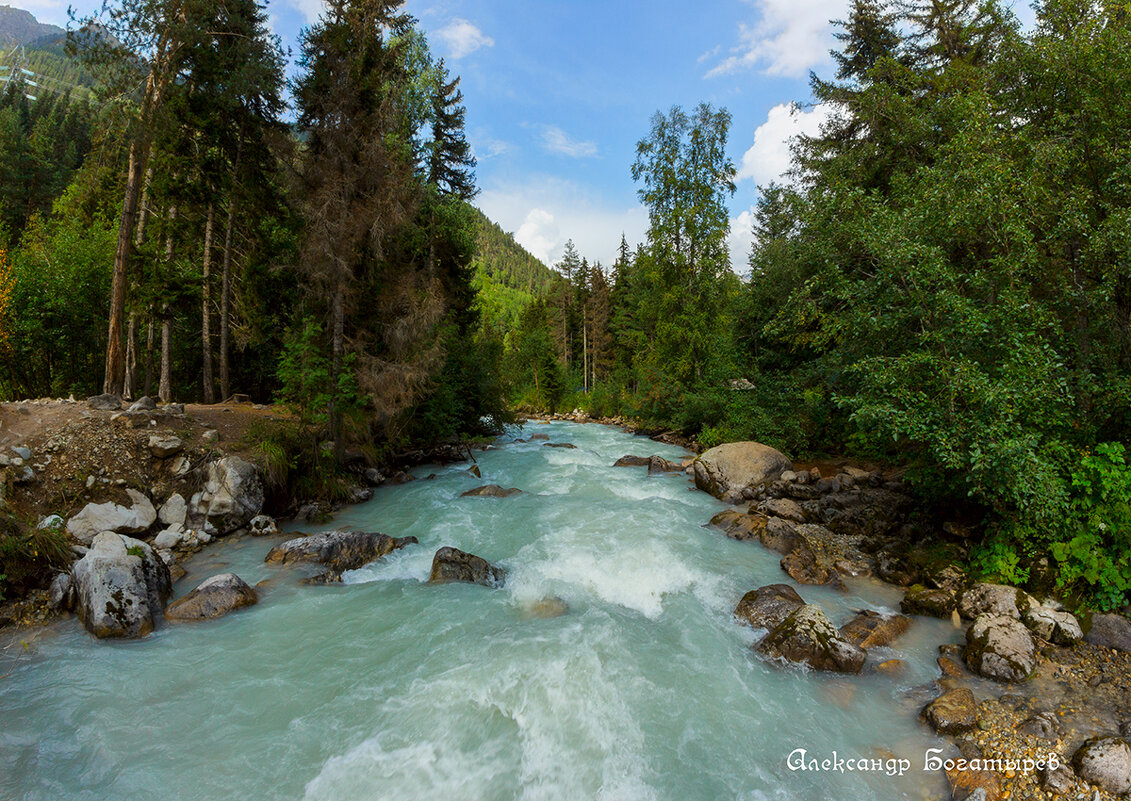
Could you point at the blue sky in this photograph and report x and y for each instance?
(558, 94)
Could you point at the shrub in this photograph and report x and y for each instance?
(29, 557)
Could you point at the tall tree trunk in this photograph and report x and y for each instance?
(226, 303)
(584, 352)
(206, 309)
(165, 383)
(149, 356)
(337, 344)
(131, 358)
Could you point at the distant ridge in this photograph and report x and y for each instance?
(509, 263)
(19, 27)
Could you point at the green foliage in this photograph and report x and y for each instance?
(28, 558)
(305, 383)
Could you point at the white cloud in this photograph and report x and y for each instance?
(311, 10)
(53, 12)
(463, 38)
(547, 211)
(769, 157)
(488, 147)
(556, 140)
(740, 239)
(790, 38)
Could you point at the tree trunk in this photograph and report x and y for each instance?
(149, 356)
(131, 358)
(337, 343)
(226, 303)
(165, 388)
(206, 309)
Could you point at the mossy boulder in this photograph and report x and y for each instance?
(921, 600)
(953, 712)
(1000, 648)
(767, 607)
(808, 637)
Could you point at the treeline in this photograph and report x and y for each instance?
(944, 281)
(326, 264)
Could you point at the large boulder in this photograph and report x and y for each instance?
(658, 464)
(921, 600)
(768, 607)
(870, 629)
(1001, 648)
(491, 491)
(213, 597)
(807, 636)
(1106, 763)
(1055, 625)
(232, 494)
(953, 712)
(813, 557)
(106, 403)
(632, 461)
(338, 550)
(452, 564)
(726, 470)
(994, 599)
(98, 517)
(121, 587)
(162, 446)
(1111, 631)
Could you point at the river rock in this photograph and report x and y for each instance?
(213, 598)
(1106, 763)
(61, 593)
(262, 526)
(567, 445)
(1044, 725)
(870, 629)
(1058, 781)
(779, 535)
(452, 564)
(107, 403)
(812, 560)
(338, 550)
(1110, 630)
(121, 587)
(1001, 648)
(1054, 625)
(474, 470)
(768, 607)
(538, 437)
(173, 511)
(549, 607)
(953, 712)
(232, 494)
(994, 599)
(98, 517)
(783, 508)
(632, 461)
(921, 600)
(729, 469)
(738, 526)
(162, 446)
(658, 464)
(491, 491)
(807, 636)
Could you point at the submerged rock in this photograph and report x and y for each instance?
(953, 712)
(214, 597)
(729, 469)
(1106, 763)
(98, 517)
(632, 461)
(658, 464)
(491, 491)
(121, 587)
(1001, 648)
(566, 445)
(768, 607)
(552, 606)
(452, 564)
(338, 550)
(807, 636)
(872, 630)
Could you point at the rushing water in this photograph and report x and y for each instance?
(390, 688)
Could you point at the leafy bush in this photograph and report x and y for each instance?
(28, 558)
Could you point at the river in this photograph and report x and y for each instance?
(387, 687)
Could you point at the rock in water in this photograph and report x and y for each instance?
(490, 491)
(338, 550)
(807, 636)
(767, 607)
(1000, 647)
(232, 494)
(452, 564)
(921, 600)
(953, 712)
(872, 630)
(121, 587)
(214, 597)
(632, 461)
(658, 464)
(738, 526)
(728, 469)
(98, 517)
(1106, 763)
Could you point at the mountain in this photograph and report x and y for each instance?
(19, 27)
(509, 263)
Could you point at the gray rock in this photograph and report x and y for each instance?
(98, 517)
(143, 404)
(807, 636)
(994, 599)
(921, 600)
(1111, 631)
(783, 508)
(51, 522)
(779, 535)
(179, 466)
(106, 403)
(374, 477)
(173, 511)
(214, 597)
(1106, 763)
(23, 474)
(632, 461)
(452, 564)
(121, 587)
(768, 607)
(1043, 725)
(567, 445)
(232, 494)
(953, 712)
(360, 494)
(730, 468)
(169, 538)
(338, 550)
(870, 629)
(211, 435)
(262, 526)
(1058, 627)
(1001, 648)
(658, 464)
(490, 491)
(61, 593)
(162, 446)
(1058, 781)
(22, 452)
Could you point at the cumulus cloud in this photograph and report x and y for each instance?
(53, 12)
(310, 9)
(539, 233)
(790, 38)
(556, 140)
(740, 239)
(769, 157)
(463, 38)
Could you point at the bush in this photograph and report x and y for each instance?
(29, 558)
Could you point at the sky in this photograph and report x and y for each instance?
(559, 92)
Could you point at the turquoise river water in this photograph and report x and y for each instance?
(387, 687)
